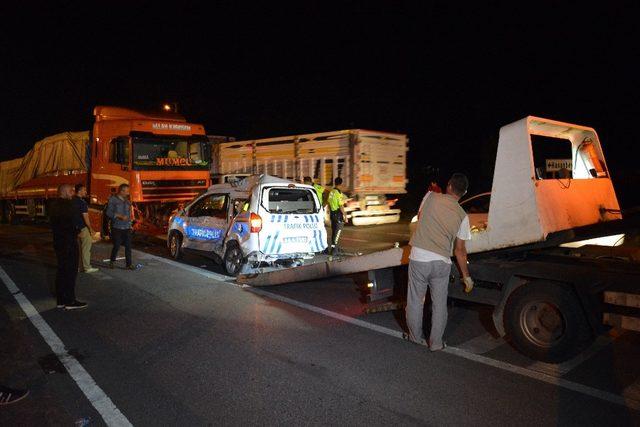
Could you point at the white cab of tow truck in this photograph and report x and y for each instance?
(531, 197)
(259, 220)
(549, 177)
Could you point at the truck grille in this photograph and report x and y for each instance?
(163, 190)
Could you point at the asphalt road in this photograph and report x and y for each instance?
(180, 344)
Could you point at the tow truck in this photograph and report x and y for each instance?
(532, 254)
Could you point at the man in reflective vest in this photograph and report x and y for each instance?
(337, 214)
(319, 188)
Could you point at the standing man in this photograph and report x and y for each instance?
(65, 242)
(119, 211)
(337, 214)
(82, 223)
(319, 188)
(443, 227)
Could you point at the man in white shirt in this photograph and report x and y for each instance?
(442, 228)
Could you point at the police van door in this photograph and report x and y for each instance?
(207, 223)
(292, 221)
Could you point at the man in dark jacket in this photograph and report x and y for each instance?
(65, 243)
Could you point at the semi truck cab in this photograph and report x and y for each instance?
(163, 158)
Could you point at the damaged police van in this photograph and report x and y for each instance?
(259, 221)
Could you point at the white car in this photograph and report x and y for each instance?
(476, 207)
(261, 220)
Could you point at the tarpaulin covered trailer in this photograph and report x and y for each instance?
(57, 154)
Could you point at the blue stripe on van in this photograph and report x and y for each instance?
(266, 243)
(279, 247)
(319, 241)
(273, 242)
(313, 243)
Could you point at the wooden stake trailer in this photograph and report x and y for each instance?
(372, 165)
(551, 293)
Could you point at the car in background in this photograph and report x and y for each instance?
(476, 207)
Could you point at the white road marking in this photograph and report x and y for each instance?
(120, 258)
(103, 404)
(481, 344)
(540, 376)
(566, 367)
(197, 270)
(570, 385)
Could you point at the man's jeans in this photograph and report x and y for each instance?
(433, 275)
(121, 237)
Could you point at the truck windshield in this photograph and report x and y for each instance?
(173, 154)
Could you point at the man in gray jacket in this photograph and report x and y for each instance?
(442, 228)
(119, 211)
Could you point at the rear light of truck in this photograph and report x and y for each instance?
(255, 221)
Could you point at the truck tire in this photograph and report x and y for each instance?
(175, 245)
(233, 260)
(545, 321)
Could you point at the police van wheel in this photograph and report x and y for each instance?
(233, 260)
(175, 245)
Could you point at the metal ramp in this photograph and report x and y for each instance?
(330, 268)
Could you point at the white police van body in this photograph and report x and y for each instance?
(259, 220)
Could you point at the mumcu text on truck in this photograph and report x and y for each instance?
(163, 158)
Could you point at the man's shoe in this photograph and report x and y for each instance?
(434, 348)
(60, 305)
(9, 396)
(91, 270)
(75, 305)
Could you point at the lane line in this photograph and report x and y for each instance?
(482, 344)
(567, 366)
(96, 396)
(187, 267)
(540, 376)
(549, 379)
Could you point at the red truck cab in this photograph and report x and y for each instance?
(164, 159)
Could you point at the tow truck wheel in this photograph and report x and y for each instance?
(175, 245)
(546, 322)
(233, 259)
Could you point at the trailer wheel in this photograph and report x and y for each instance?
(175, 245)
(545, 321)
(233, 259)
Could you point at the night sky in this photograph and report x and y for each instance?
(447, 75)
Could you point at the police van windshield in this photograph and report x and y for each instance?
(290, 200)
